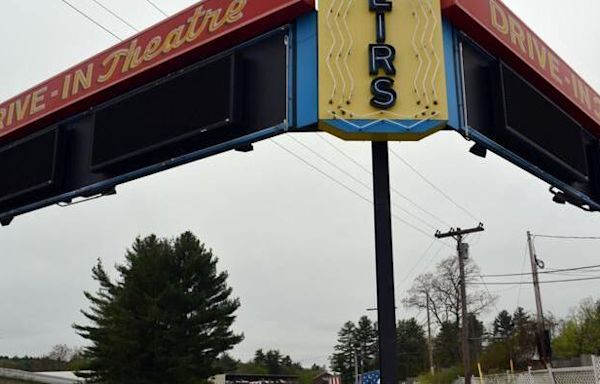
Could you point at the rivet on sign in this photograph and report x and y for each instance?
(435, 102)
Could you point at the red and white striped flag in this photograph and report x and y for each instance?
(335, 380)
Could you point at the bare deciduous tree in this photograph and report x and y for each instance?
(443, 289)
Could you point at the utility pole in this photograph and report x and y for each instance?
(384, 264)
(429, 344)
(463, 252)
(538, 299)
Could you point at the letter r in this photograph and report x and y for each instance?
(381, 56)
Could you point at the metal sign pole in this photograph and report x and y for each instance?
(386, 306)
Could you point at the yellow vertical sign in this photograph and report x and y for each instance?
(371, 50)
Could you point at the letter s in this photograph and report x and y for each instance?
(384, 96)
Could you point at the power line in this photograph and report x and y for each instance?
(541, 282)
(395, 190)
(432, 185)
(569, 237)
(552, 271)
(157, 8)
(90, 19)
(489, 293)
(522, 269)
(418, 261)
(115, 15)
(349, 189)
(365, 185)
(431, 260)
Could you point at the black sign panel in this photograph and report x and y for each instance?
(182, 107)
(221, 103)
(504, 107)
(29, 165)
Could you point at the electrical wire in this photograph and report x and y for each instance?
(115, 15)
(349, 189)
(157, 7)
(541, 282)
(431, 260)
(394, 190)
(522, 269)
(489, 293)
(91, 19)
(550, 271)
(362, 183)
(569, 237)
(432, 185)
(418, 262)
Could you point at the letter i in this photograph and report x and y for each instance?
(66, 86)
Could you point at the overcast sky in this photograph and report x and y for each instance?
(299, 248)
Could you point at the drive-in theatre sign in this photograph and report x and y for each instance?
(524, 102)
(193, 34)
(224, 74)
(216, 73)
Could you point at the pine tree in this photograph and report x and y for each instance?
(412, 349)
(365, 339)
(342, 360)
(503, 324)
(166, 319)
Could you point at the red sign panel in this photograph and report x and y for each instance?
(195, 33)
(499, 30)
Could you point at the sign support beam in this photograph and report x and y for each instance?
(386, 306)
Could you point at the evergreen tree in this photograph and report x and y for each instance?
(503, 324)
(412, 349)
(166, 319)
(342, 360)
(447, 345)
(365, 340)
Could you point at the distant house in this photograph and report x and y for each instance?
(241, 378)
(322, 378)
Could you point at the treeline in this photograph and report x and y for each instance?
(60, 358)
(271, 362)
(510, 341)
(357, 347)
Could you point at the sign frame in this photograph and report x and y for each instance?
(107, 187)
(193, 34)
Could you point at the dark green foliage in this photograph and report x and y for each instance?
(165, 320)
(264, 363)
(503, 324)
(446, 345)
(342, 360)
(476, 331)
(272, 362)
(412, 349)
(365, 339)
(225, 364)
(362, 340)
(34, 364)
(513, 338)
